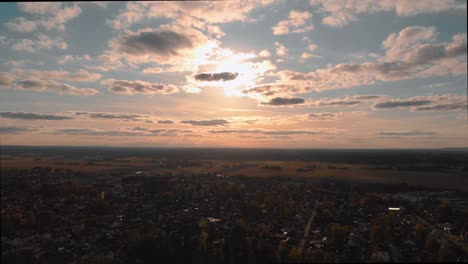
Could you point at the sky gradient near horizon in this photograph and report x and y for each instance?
(262, 73)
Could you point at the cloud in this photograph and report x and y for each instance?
(280, 49)
(42, 42)
(278, 101)
(15, 129)
(447, 102)
(170, 45)
(268, 132)
(161, 42)
(407, 133)
(271, 89)
(165, 122)
(264, 53)
(93, 132)
(126, 87)
(80, 76)
(402, 61)
(341, 12)
(68, 58)
(203, 15)
(134, 132)
(51, 86)
(48, 16)
(107, 115)
(168, 132)
(367, 97)
(312, 47)
(296, 20)
(22, 24)
(33, 116)
(140, 128)
(212, 122)
(401, 103)
(6, 79)
(349, 101)
(222, 76)
(325, 116)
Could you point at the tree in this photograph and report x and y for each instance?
(431, 244)
(295, 254)
(421, 234)
(381, 231)
(10, 223)
(446, 253)
(444, 213)
(282, 251)
(337, 234)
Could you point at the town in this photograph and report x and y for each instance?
(62, 216)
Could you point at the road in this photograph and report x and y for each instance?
(309, 224)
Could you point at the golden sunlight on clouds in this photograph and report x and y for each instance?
(248, 71)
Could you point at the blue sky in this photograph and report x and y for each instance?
(264, 73)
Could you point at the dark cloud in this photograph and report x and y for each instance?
(446, 102)
(272, 89)
(104, 115)
(211, 77)
(135, 131)
(161, 42)
(138, 87)
(165, 122)
(32, 116)
(212, 122)
(325, 116)
(15, 129)
(403, 103)
(52, 86)
(92, 132)
(140, 128)
(167, 132)
(406, 133)
(339, 102)
(268, 132)
(277, 101)
(80, 76)
(367, 97)
(441, 107)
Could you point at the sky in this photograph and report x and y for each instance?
(261, 73)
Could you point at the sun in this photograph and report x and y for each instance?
(248, 70)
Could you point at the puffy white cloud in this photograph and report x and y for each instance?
(280, 49)
(298, 22)
(412, 54)
(202, 15)
(341, 12)
(70, 58)
(47, 15)
(42, 42)
(264, 53)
